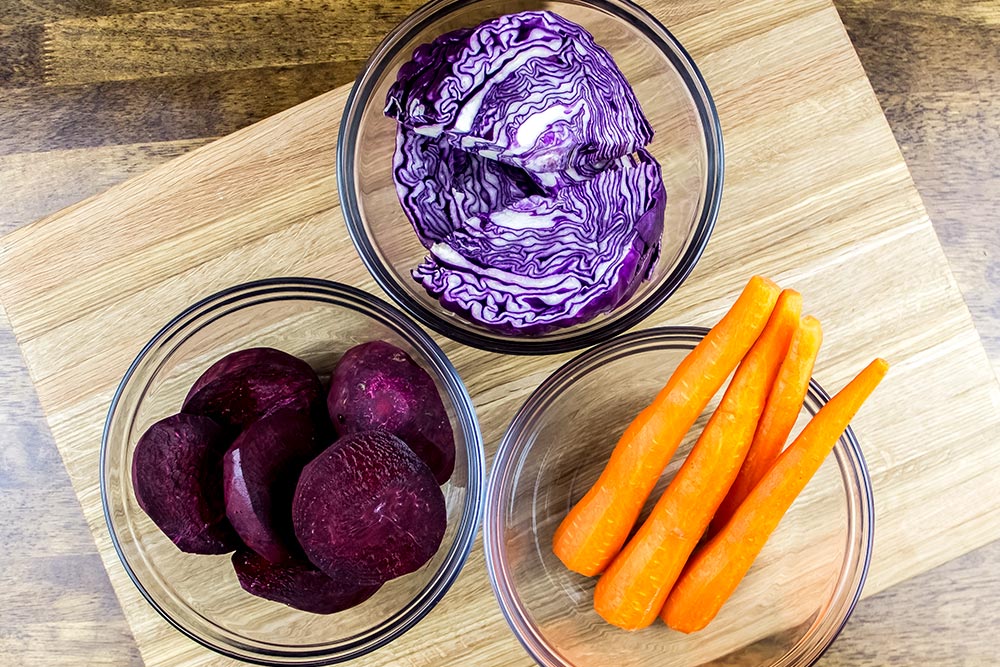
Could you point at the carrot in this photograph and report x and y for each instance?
(597, 526)
(782, 409)
(631, 592)
(714, 572)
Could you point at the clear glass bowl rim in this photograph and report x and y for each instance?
(360, 96)
(314, 289)
(850, 459)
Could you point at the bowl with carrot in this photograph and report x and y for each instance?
(686, 496)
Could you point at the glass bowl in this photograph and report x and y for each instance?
(688, 145)
(198, 594)
(793, 602)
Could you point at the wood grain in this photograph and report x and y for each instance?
(58, 606)
(198, 40)
(933, 65)
(36, 11)
(938, 66)
(42, 118)
(55, 179)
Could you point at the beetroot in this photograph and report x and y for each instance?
(177, 479)
(259, 474)
(378, 386)
(368, 506)
(236, 362)
(298, 584)
(244, 386)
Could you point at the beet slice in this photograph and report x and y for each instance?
(376, 385)
(240, 360)
(370, 507)
(177, 479)
(244, 386)
(298, 584)
(259, 473)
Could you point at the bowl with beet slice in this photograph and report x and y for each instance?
(239, 461)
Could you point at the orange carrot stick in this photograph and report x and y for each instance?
(782, 409)
(631, 591)
(714, 572)
(597, 526)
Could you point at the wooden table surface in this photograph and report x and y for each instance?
(94, 92)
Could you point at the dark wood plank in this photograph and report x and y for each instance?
(197, 40)
(947, 616)
(42, 118)
(38, 11)
(58, 605)
(21, 60)
(925, 46)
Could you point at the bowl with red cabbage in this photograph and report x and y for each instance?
(530, 178)
(292, 472)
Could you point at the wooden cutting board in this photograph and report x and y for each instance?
(817, 196)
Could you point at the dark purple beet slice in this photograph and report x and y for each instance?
(259, 473)
(177, 479)
(376, 385)
(244, 386)
(369, 507)
(236, 362)
(298, 584)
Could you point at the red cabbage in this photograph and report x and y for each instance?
(529, 89)
(521, 165)
(441, 186)
(549, 262)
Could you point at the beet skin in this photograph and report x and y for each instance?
(298, 584)
(244, 386)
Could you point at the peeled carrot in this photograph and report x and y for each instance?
(783, 406)
(716, 570)
(631, 591)
(597, 526)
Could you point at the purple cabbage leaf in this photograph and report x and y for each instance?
(440, 186)
(549, 262)
(531, 89)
